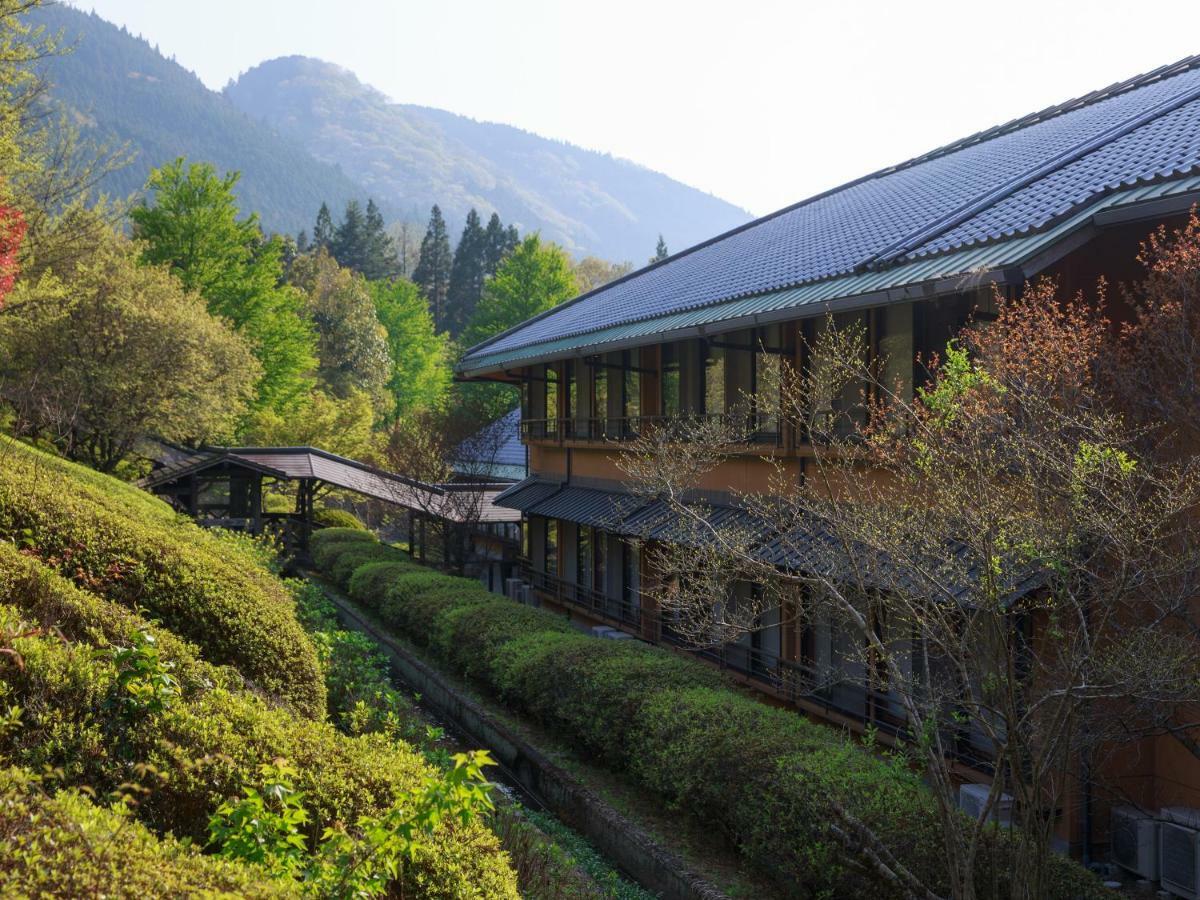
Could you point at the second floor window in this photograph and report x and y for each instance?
(669, 381)
(714, 380)
(631, 393)
(551, 547)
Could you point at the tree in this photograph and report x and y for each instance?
(499, 243)
(323, 233)
(987, 547)
(12, 229)
(193, 227)
(349, 246)
(466, 275)
(432, 273)
(536, 277)
(591, 272)
(302, 242)
(113, 351)
(660, 251)
(420, 356)
(342, 425)
(381, 260)
(352, 346)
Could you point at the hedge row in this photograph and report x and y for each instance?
(206, 745)
(120, 543)
(770, 779)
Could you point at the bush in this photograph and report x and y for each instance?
(201, 749)
(772, 781)
(370, 581)
(91, 530)
(355, 555)
(332, 517)
(66, 846)
(335, 535)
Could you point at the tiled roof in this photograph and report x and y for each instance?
(1011, 180)
(495, 451)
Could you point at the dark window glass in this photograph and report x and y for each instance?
(551, 547)
(669, 380)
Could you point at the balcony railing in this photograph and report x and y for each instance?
(829, 691)
(757, 428)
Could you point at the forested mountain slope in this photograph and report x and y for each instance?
(121, 90)
(413, 156)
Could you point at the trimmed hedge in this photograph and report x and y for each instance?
(119, 543)
(332, 517)
(207, 744)
(372, 579)
(66, 846)
(770, 779)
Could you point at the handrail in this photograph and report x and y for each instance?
(833, 692)
(759, 428)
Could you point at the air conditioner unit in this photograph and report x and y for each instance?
(1179, 851)
(1134, 838)
(601, 631)
(972, 798)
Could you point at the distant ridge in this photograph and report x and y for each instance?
(413, 156)
(120, 89)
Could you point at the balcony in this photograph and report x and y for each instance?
(828, 694)
(759, 430)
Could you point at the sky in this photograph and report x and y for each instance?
(761, 102)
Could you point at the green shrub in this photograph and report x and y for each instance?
(339, 535)
(371, 581)
(93, 531)
(206, 748)
(332, 517)
(770, 780)
(355, 555)
(66, 846)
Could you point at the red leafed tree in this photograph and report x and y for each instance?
(12, 230)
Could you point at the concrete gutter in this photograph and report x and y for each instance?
(633, 850)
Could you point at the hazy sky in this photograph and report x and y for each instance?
(761, 102)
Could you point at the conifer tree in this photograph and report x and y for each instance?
(660, 252)
(322, 235)
(432, 273)
(302, 241)
(381, 259)
(350, 238)
(499, 242)
(466, 275)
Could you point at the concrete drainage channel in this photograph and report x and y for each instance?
(632, 850)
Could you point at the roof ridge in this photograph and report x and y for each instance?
(928, 232)
(1120, 87)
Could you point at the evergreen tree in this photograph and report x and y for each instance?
(349, 246)
(466, 275)
(432, 273)
(660, 252)
(302, 241)
(499, 242)
(381, 259)
(322, 235)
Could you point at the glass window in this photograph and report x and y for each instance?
(629, 573)
(768, 380)
(599, 398)
(551, 564)
(551, 411)
(572, 389)
(631, 399)
(669, 380)
(714, 380)
(600, 561)
(584, 544)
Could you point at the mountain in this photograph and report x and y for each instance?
(120, 90)
(414, 156)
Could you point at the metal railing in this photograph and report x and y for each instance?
(755, 428)
(829, 691)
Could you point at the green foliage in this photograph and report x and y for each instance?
(352, 347)
(361, 242)
(105, 352)
(333, 517)
(370, 582)
(466, 274)
(144, 678)
(193, 227)
(420, 356)
(432, 272)
(65, 845)
(339, 425)
(773, 782)
(536, 277)
(88, 530)
(354, 557)
(263, 827)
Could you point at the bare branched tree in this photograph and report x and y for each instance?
(997, 550)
